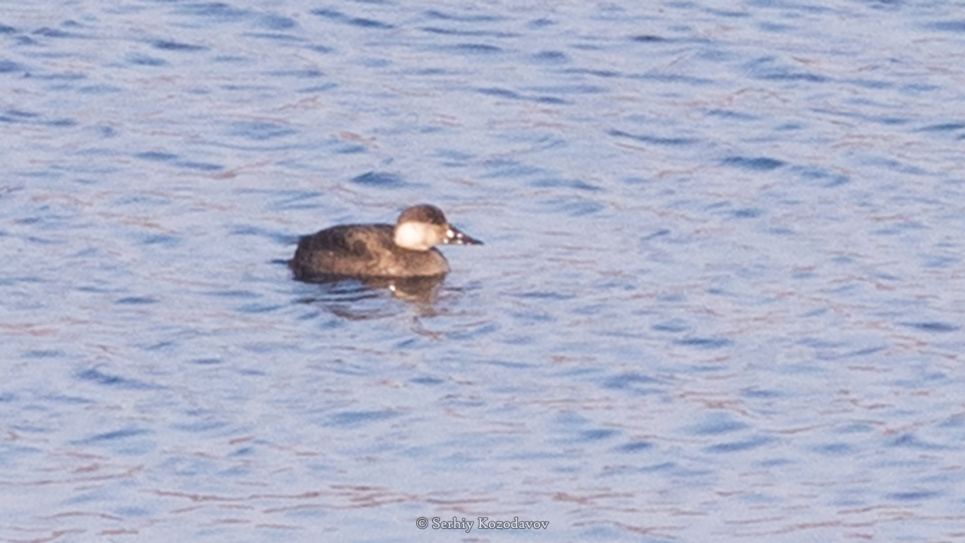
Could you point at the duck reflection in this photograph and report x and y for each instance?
(345, 289)
(410, 289)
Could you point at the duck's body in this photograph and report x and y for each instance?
(380, 250)
(363, 250)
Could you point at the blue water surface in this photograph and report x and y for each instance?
(721, 297)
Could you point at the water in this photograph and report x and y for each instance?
(721, 296)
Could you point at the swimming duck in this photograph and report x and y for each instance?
(406, 249)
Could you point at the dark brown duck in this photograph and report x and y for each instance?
(406, 249)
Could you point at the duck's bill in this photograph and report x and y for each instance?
(455, 237)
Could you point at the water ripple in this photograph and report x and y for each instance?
(382, 180)
(937, 327)
(340, 17)
(761, 164)
(355, 419)
(171, 45)
(98, 377)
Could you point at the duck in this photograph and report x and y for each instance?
(406, 249)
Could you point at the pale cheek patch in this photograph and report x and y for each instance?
(412, 236)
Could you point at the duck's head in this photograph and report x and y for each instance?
(422, 227)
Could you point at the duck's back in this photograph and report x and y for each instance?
(362, 250)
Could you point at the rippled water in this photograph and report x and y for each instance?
(721, 296)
